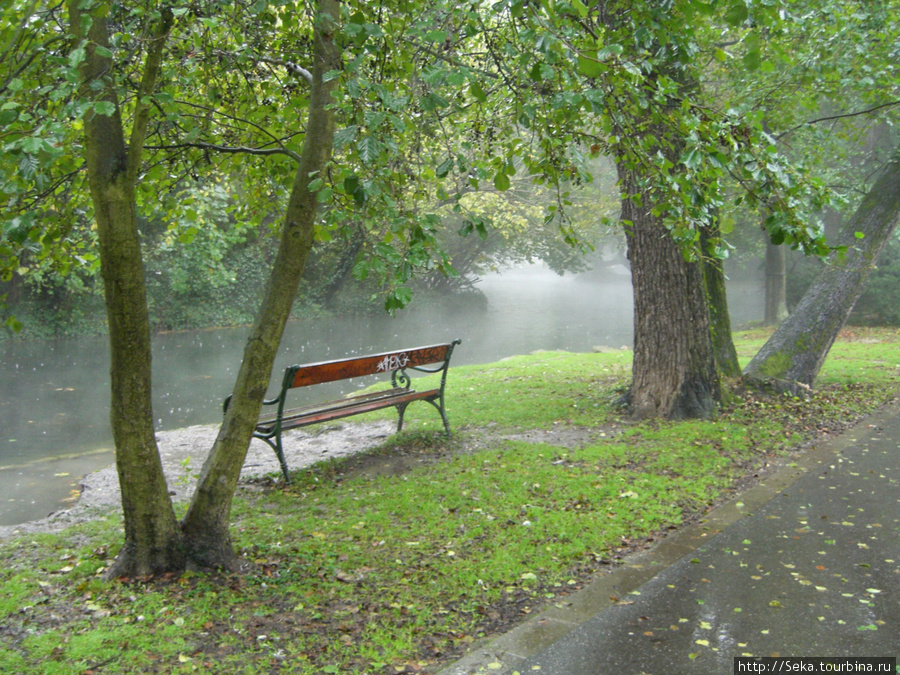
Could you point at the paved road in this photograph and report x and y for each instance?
(807, 564)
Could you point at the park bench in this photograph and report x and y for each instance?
(431, 359)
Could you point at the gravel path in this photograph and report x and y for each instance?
(183, 452)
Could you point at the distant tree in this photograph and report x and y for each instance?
(790, 360)
(776, 285)
(823, 81)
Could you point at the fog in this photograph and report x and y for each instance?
(54, 403)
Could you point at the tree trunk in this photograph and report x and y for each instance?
(152, 537)
(343, 268)
(674, 372)
(724, 353)
(790, 360)
(206, 524)
(776, 286)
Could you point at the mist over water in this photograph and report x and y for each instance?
(54, 399)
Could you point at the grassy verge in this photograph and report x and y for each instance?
(400, 560)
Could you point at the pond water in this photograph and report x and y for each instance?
(54, 399)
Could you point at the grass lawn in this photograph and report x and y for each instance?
(400, 560)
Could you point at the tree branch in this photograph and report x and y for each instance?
(292, 67)
(229, 149)
(148, 84)
(858, 113)
(26, 15)
(453, 61)
(221, 113)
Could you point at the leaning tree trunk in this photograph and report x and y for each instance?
(790, 360)
(206, 524)
(724, 353)
(674, 373)
(152, 536)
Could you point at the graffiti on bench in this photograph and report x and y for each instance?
(393, 362)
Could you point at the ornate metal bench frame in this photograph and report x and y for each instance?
(430, 359)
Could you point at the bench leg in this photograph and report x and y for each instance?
(279, 453)
(284, 468)
(440, 409)
(401, 409)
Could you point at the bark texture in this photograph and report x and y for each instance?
(791, 359)
(206, 524)
(674, 374)
(724, 353)
(152, 538)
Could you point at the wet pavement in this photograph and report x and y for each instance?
(805, 564)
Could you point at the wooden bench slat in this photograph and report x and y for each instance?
(357, 409)
(431, 359)
(387, 362)
(267, 422)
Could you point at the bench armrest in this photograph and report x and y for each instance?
(269, 401)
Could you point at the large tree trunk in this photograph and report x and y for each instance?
(152, 537)
(790, 360)
(724, 353)
(206, 524)
(776, 286)
(674, 372)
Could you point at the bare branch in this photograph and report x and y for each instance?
(292, 67)
(453, 61)
(221, 113)
(858, 113)
(228, 149)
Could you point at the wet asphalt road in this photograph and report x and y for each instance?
(813, 570)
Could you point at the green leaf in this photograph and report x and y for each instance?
(609, 51)
(368, 148)
(398, 299)
(32, 144)
(737, 14)
(354, 187)
(344, 137)
(752, 57)
(432, 101)
(501, 181)
(444, 167)
(590, 66)
(105, 108)
(76, 56)
(691, 159)
(477, 92)
(752, 60)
